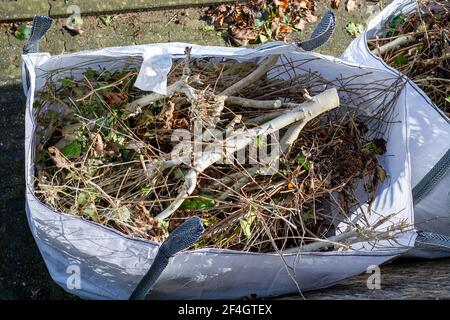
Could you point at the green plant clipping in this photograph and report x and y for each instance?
(246, 223)
(73, 150)
(23, 32)
(303, 162)
(354, 29)
(401, 60)
(106, 20)
(164, 224)
(197, 204)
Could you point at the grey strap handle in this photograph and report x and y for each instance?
(321, 34)
(432, 239)
(41, 24)
(181, 238)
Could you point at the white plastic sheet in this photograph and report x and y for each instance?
(110, 263)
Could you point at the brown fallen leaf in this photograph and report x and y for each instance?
(309, 17)
(58, 158)
(300, 25)
(335, 4)
(352, 5)
(97, 145)
(242, 36)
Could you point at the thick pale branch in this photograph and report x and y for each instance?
(321, 103)
(250, 103)
(257, 74)
(393, 44)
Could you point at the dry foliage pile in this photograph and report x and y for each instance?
(104, 151)
(259, 21)
(418, 45)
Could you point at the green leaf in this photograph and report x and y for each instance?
(106, 20)
(198, 203)
(180, 174)
(447, 99)
(401, 60)
(397, 21)
(83, 198)
(73, 150)
(66, 83)
(268, 29)
(355, 29)
(246, 223)
(123, 213)
(207, 28)
(37, 105)
(146, 190)
(23, 32)
(287, 19)
(259, 23)
(89, 73)
(263, 38)
(301, 159)
(164, 224)
(91, 212)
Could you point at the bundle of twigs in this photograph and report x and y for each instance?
(418, 45)
(142, 163)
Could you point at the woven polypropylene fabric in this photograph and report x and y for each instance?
(322, 33)
(41, 24)
(181, 238)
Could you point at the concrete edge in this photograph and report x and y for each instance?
(23, 10)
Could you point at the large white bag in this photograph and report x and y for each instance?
(428, 141)
(110, 264)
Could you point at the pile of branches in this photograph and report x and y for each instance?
(133, 161)
(259, 21)
(418, 45)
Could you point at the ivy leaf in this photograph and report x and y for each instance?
(146, 190)
(23, 32)
(303, 162)
(397, 21)
(263, 38)
(355, 29)
(246, 223)
(89, 73)
(66, 83)
(164, 224)
(401, 60)
(83, 198)
(259, 23)
(73, 150)
(123, 214)
(198, 203)
(91, 212)
(106, 20)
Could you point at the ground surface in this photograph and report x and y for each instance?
(22, 272)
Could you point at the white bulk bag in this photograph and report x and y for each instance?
(110, 264)
(428, 140)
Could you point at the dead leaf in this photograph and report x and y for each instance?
(58, 158)
(301, 24)
(310, 17)
(242, 36)
(115, 99)
(97, 145)
(352, 5)
(335, 4)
